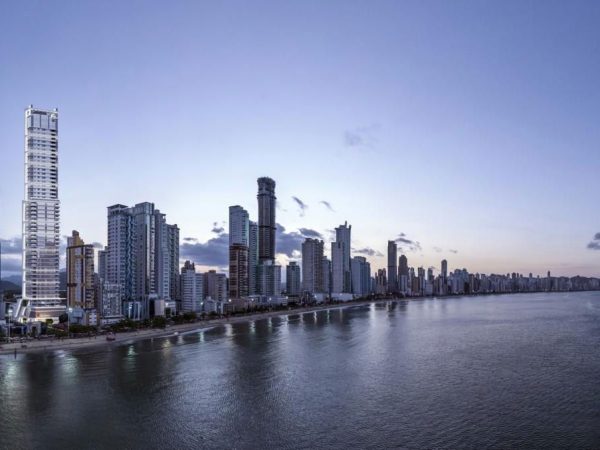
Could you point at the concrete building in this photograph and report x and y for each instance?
(173, 246)
(81, 291)
(326, 275)
(102, 264)
(269, 278)
(252, 258)
(142, 249)
(239, 225)
(110, 302)
(292, 279)
(361, 276)
(392, 269)
(340, 259)
(267, 226)
(41, 218)
(215, 285)
(312, 266)
(238, 270)
(192, 289)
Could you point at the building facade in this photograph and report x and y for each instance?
(41, 217)
(292, 279)
(238, 271)
(312, 266)
(81, 290)
(392, 269)
(192, 289)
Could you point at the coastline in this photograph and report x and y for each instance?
(150, 333)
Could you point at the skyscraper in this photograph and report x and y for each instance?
(41, 217)
(361, 276)
(252, 258)
(192, 291)
(292, 279)
(312, 266)
(239, 229)
(238, 225)
(215, 285)
(392, 271)
(142, 249)
(326, 275)
(266, 219)
(340, 258)
(238, 270)
(404, 283)
(81, 290)
(268, 272)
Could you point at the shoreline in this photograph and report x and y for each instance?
(150, 333)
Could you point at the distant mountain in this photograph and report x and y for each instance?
(14, 279)
(7, 286)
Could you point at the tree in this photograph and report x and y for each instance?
(159, 322)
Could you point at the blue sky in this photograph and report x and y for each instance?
(471, 127)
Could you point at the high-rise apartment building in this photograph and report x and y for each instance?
(238, 270)
(173, 246)
(340, 259)
(81, 292)
(192, 290)
(252, 258)
(326, 275)
(292, 279)
(269, 278)
(312, 266)
(142, 249)
(102, 264)
(361, 276)
(238, 226)
(266, 219)
(239, 240)
(215, 285)
(392, 269)
(41, 217)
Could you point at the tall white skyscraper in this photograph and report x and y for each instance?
(41, 217)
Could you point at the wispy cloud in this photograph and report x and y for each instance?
(310, 233)
(406, 244)
(301, 205)
(217, 229)
(364, 136)
(595, 242)
(327, 205)
(367, 251)
(453, 250)
(438, 249)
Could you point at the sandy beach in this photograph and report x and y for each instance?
(127, 337)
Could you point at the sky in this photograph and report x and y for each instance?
(466, 130)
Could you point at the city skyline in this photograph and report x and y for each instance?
(487, 160)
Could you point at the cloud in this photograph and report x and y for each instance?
(310, 233)
(303, 206)
(365, 136)
(327, 205)
(595, 243)
(217, 229)
(437, 249)
(367, 251)
(214, 252)
(98, 245)
(288, 244)
(12, 246)
(453, 251)
(406, 244)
